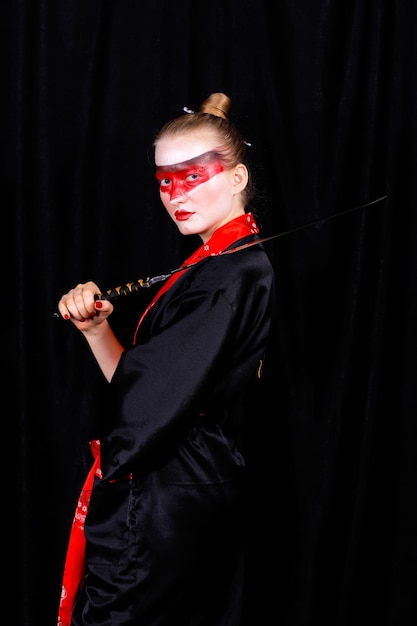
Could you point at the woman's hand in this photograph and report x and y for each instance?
(90, 317)
(80, 306)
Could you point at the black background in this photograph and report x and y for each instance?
(325, 91)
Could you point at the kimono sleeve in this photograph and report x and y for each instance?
(161, 383)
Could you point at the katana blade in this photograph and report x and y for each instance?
(144, 283)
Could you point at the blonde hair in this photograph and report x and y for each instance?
(213, 116)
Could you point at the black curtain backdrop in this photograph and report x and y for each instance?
(325, 90)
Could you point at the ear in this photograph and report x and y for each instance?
(240, 178)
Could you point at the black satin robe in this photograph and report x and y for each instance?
(167, 523)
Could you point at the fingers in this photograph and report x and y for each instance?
(80, 305)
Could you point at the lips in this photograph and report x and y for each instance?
(182, 216)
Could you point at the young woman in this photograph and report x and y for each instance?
(161, 540)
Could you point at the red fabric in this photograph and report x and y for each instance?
(74, 564)
(74, 568)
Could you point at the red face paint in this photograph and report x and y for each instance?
(180, 178)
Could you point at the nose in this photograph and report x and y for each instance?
(177, 192)
(178, 199)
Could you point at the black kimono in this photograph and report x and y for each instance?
(167, 522)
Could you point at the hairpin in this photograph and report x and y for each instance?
(187, 110)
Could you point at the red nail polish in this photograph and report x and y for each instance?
(66, 316)
(99, 304)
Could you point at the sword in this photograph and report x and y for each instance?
(145, 283)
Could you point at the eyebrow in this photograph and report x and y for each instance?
(201, 159)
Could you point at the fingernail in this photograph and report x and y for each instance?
(66, 316)
(99, 304)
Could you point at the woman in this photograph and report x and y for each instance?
(164, 535)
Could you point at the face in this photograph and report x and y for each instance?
(196, 190)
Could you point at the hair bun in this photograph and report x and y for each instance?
(217, 104)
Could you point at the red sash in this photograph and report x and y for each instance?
(74, 569)
(74, 564)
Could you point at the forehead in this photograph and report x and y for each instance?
(201, 160)
(182, 149)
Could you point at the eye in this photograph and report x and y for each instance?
(193, 177)
(164, 183)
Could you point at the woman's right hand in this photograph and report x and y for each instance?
(88, 314)
(80, 306)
